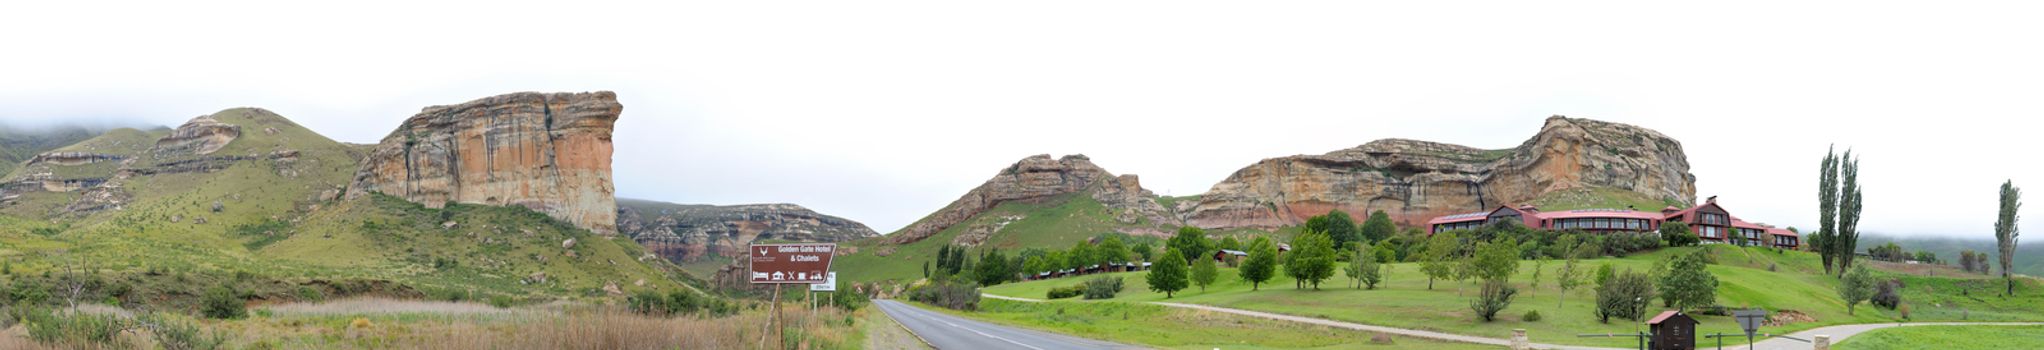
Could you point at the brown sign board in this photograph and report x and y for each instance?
(794, 263)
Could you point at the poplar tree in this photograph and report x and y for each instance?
(1827, 208)
(2005, 231)
(1849, 204)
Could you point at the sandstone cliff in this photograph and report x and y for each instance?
(1416, 180)
(1039, 177)
(548, 152)
(691, 233)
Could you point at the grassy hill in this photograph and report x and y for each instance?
(18, 145)
(2029, 257)
(1600, 198)
(261, 215)
(1796, 282)
(1053, 223)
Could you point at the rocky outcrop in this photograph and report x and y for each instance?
(73, 158)
(691, 233)
(1039, 177)
(548, 152)
(200, 136)
(1417, 180)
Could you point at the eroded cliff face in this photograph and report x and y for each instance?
(199, 136)
(1040, 177)
(692, 233)
(1417, 180)
(546, 151)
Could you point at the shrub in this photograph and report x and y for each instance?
(310, 294)
(28, 292)
(1103, 287)
(1887, 295)
(1495, 297)
(502, 301)
(174, 334)
(1625, 295)
(1531, 316)
(1066, 292)
(221, 303)
(72, 328)
(947, 294)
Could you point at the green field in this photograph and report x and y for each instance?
(1601, 198)
(1175, 328)
(1744, 281)
(1947, 337)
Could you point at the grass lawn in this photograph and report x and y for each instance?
(1174, 328)
(1404, 301)
(1947, 337)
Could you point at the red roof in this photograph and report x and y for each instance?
(1781, 232)
(1685, 212)
(1663, 316)
(1463, 217)
(1743, 224)
(1600, 213)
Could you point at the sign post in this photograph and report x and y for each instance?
(795, 263)
(1749, 321)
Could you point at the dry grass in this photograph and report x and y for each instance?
(404, 324)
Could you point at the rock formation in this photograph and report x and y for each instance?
(1040, 177)
(691, 233)
(200, 136)
(548, 152)
(1417, 180)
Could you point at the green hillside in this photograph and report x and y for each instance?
(1600, 198)
(1053, 223)
(1796, 283)
(18, 145)
(262, 210)
(2029, 256)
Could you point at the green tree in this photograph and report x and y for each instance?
(1311, 259)
(1495, 260)
(1112, 251)
(1857, 286)
(1204, 273)
(1846, 241)
(1354, 269)
(1145, 250)
(1624, 295)
(1262, 263)
(1230, 243)
(1370, 268)
(1378, 227)
(1604, 273)
(1678, 235)
(1192, 241)
(1080, 256)
(1687, 284)
(1827, 208)
(2005, 231)
(992, 268)
(1568, 278)
(1495, 296)
(1168, 275)
(1341, 228)
(1438, 261)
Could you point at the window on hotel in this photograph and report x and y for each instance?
(1632, 224)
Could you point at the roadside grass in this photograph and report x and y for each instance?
(1405, 302)
(1947, 337)
(1174, 328)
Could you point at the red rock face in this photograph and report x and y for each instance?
(548, 152)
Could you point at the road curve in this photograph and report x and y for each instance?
(1840, 332)
(953, 332)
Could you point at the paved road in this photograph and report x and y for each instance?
(1839, 333)
(952, 332)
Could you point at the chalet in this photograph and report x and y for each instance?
(1672, 330)
(1229, 254)
(1711, 222)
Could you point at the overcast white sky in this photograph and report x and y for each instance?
(885, 111)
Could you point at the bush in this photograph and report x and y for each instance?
(72, 328)
(1495, 297)
(676, 303)
(310, 294)
(1625, 295)
(1067, 292)
(1103, 287)
(1531, 316)
(502, 301)
(28, 292)
(221, 303)
(175, 334)
(1887, 295)
(947, 294)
